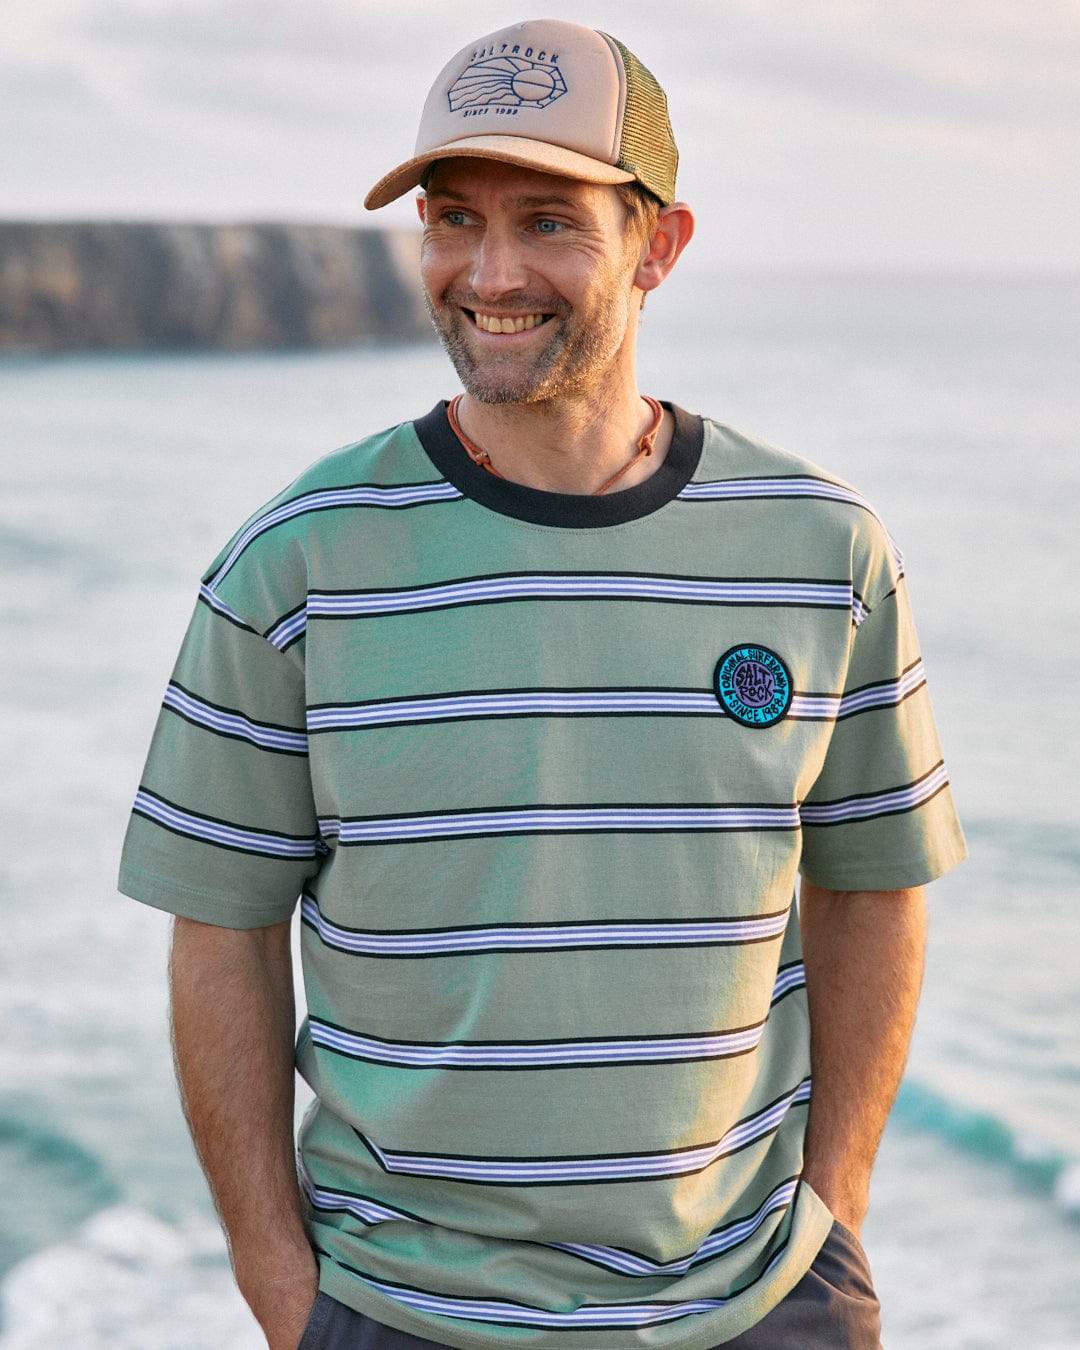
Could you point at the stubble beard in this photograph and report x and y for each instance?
(573, 357)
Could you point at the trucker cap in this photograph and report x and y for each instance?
(545, 95)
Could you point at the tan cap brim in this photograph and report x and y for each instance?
(527, 154)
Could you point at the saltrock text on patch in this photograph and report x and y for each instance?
(753, 685)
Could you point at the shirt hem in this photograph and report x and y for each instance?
(187, 903)
(708, 1331)
(900, 876)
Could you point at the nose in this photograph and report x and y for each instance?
(497, 266)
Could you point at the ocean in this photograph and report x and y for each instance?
(951, 401)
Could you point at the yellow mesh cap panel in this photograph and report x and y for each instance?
(647, 147)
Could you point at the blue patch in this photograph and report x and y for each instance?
(753, 686)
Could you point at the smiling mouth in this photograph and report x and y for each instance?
(506, 323)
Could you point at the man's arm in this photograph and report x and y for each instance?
(863, 952)
(233, 1026)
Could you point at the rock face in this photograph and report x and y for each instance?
(115, 285)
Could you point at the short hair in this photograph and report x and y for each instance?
(642, 209)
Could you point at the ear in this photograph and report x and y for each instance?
(674, 230)
(421, 208)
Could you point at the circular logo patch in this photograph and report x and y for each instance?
(753, 685)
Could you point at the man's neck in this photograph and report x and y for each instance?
(567, 445)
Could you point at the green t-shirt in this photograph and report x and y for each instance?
(542, 771)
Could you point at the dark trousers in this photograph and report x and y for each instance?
(833, 1307)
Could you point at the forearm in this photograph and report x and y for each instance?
(863, 952)
(233, 1027)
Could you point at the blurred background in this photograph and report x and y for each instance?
(885, 279)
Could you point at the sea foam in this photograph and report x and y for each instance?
(127, 1280)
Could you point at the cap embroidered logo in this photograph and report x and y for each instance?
(506, 82)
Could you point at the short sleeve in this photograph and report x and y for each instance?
(880, 815)
(224, 828)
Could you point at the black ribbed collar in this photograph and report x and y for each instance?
(563, 509)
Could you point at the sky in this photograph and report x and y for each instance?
(829, 134)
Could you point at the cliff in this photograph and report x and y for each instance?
(139, 286)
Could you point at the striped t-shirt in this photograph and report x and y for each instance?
(541, 771)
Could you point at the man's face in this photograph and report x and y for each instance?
(528, 279)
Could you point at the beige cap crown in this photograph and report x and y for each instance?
(545, 95)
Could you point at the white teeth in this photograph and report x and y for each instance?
(520, 323)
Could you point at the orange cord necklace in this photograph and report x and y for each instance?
(481, 456)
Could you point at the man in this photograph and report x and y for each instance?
(540, 703)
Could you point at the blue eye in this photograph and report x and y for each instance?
(548, 226)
